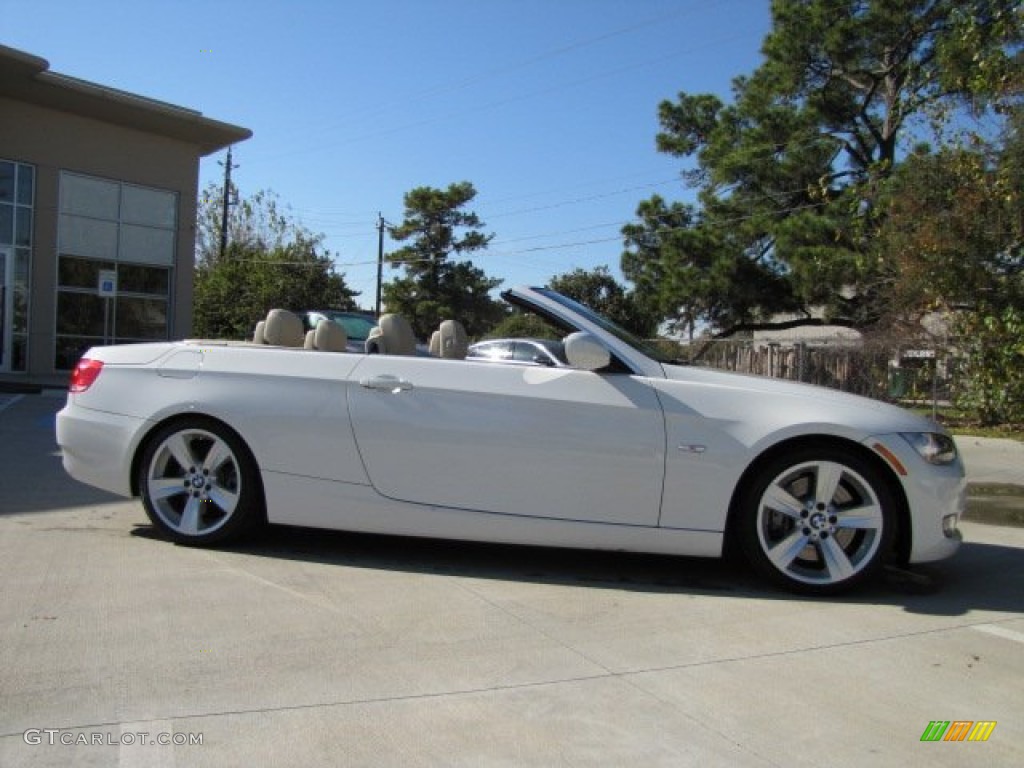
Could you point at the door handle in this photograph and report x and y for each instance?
(386, 383)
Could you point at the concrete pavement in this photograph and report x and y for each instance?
(318, 648)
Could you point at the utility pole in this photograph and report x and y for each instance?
(227, 201)
(380, 257)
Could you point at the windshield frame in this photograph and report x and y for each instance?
(608, 326)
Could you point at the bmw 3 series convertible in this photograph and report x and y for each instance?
(620, 450)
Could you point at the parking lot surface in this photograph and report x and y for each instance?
(317, 648)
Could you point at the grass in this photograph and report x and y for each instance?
(995, 504)
(959, 422)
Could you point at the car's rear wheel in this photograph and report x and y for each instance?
(199, 483)
(818, 521)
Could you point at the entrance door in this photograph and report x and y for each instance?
(6, 306)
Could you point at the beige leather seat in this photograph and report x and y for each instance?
(257, 335)
(283, 329)
(392, 336)
(327, 337)
(449, 341)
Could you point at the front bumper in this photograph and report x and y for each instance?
(936, 496)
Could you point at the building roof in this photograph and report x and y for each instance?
(28, 78)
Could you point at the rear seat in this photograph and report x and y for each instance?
(281, 329)
(327, 337)
(392, 336)
(449, 341)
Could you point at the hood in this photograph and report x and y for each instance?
(761, 397)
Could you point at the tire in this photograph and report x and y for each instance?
(199, 483)
(817, 521)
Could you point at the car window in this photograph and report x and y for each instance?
(493, 350)
(607, 325)
(525, 352)
(356, 327)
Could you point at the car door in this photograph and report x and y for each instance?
(513, 440)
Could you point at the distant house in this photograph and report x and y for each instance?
(814, 335)
(98, 193)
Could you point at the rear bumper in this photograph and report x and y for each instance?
(97, 446)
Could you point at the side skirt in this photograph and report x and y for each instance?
(316, 503)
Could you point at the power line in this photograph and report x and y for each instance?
(434, 91)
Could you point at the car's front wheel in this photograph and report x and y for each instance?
(199, 483)
(818, 520)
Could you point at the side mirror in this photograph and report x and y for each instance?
(585, 352)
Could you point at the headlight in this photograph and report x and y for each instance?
(935, 448)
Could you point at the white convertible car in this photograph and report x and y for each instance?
(620, 451)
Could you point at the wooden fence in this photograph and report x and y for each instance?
(881, 371)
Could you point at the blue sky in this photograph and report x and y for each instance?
(549, 107)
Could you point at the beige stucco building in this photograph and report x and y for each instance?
(98, 192)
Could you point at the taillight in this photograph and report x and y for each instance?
(85, 374)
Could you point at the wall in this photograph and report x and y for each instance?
(53, 141)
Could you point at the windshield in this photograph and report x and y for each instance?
(607, 325)
(357, 327)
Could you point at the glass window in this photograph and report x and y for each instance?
(494, 350)
(146, 245)
(110, 225)
(79, 314)
(86, 196)
(133, 278)
(21, 294)
(21, 261)
(527, 352)
(17, 188)
(6, 182)
(151, 207)
(23, 226)
(26, 184)
(88, 237)
(81, 273)
(19, 322)
(6, 224)
(141, 318)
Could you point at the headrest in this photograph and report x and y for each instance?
(392, 336)
(283, 329)
(453, 342)
(327, 337)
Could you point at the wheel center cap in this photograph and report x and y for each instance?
(197, 482)
(818, 520)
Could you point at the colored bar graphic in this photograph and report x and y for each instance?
(958, 730)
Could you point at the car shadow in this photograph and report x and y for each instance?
(981, 577)
(32, 478)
